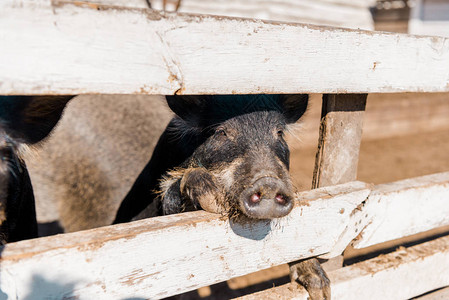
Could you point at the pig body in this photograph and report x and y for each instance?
(23, 120)
(82, 172)
(17, 209)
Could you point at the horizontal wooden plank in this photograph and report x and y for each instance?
(348, 14)
(121, 3)
(163, 256)
(441, 294)
(404, 208)
(71, 47)
(402, 274)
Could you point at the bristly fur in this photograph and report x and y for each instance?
(168, 179)
(209, 132)
(199, 112)
(31, 118)
(294, 129)
(231, 208)
(8, 162)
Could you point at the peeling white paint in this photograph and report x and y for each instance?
(68, 48)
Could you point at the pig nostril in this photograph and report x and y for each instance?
(281, 199)
(255, 198)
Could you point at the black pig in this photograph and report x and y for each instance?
(23, 120)
(240, 165)
(225, 154)
(222, 154)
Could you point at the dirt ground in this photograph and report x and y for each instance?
(402, 154)
(385, 160)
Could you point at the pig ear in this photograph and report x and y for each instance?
(188, 108)
(31, 118)
(293, 106)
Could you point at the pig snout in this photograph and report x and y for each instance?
(266, 198)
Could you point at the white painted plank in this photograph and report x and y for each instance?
(402, 274)
(73, 48)
(168, 255)
(348, 14)
(122, 3)
(153, 258)
(441, 294)
(404, 208)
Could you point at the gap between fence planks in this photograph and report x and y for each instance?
(402, 274)
(71, 47)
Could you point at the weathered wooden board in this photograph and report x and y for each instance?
(121, 3)
(442, 294)
(71, 47)
(168, 255)
(339, 142)
(402, 274)
(405, 208)
(348, 14)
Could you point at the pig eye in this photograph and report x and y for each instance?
(220, 132)
(280, 133)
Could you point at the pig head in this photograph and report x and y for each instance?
(240, 164)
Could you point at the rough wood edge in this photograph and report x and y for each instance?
(153, 258)
(402, 274)
(58, 63)
(339, 140)
(343, 212)
(404, 208)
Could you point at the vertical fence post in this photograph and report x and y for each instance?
(336, 162)
(338, 145)
(339, 142)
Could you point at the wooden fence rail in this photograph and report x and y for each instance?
(402, 274)
(75, 47)
(154, 258)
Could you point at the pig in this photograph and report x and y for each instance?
(225, 154)
(85, 168)
(24, 120)
(220, 140)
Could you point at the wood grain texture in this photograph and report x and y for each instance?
(402, 274)
(348, 14)
(405, 208)
(441, 294)
(71, 47)
(339, 142)
(163, 256)
(169, 255)
(397, 210)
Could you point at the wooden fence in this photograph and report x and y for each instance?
(74, 47)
